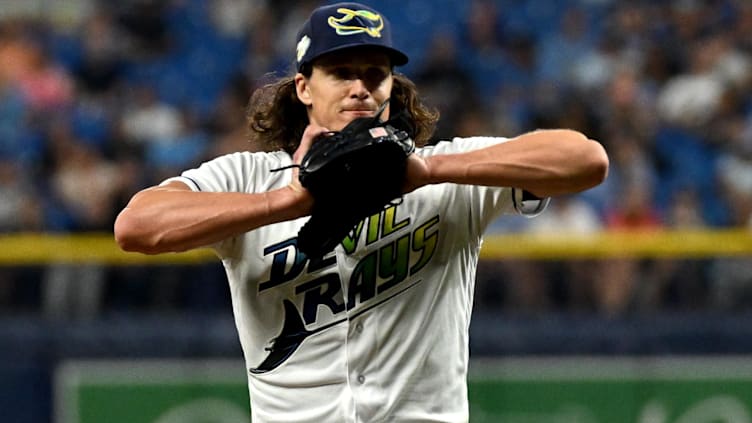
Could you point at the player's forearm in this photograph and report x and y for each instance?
(545, 163)
(161, 220)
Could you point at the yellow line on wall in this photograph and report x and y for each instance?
(656, 244)
(29, 249)
(33, 249)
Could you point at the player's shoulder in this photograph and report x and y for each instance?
(254, 159)
(242, 171)
(459, 144)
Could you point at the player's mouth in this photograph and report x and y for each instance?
(359, 109)
(359, 112)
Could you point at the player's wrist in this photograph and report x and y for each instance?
(299, 202)
(431, 171)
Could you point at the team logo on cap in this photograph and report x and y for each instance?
(302, 47)
(357, 21)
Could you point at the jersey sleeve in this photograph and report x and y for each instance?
(236, 172)
(487, 203)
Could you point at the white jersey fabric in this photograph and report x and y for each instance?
(377, 330)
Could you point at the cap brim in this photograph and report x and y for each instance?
(398, 58)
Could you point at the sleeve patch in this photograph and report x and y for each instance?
(528, 204)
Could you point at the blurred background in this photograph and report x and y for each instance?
(627, 303)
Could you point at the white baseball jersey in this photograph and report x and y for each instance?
(375, 331)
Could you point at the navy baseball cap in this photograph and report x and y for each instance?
(344, 25)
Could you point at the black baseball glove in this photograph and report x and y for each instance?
(352, 174)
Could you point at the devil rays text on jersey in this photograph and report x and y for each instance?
(379, 275)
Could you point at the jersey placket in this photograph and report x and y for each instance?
(361, 346)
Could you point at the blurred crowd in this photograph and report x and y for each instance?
(100, 99)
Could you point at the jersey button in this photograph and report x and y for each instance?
(361, 379)
(359, 327)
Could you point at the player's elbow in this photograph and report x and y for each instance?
(595, 162)
(584, 161)
(130, 235)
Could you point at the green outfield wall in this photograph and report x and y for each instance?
(546, 390)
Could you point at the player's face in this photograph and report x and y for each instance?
(344, 86)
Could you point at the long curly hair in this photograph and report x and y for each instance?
(276, 117)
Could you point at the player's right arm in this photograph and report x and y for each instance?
(173, 218)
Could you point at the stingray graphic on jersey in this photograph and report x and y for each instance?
(294, 333)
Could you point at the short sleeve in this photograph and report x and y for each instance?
(237, 172)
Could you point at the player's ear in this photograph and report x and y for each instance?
(302, 89)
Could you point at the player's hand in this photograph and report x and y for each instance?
(417, 173)
(310, 133)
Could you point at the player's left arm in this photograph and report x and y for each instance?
(543, 162)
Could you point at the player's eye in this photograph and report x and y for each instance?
(342, 72)
(375, 75)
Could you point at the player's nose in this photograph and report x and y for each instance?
(359, 89)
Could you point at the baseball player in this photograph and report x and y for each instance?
(376, 330)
